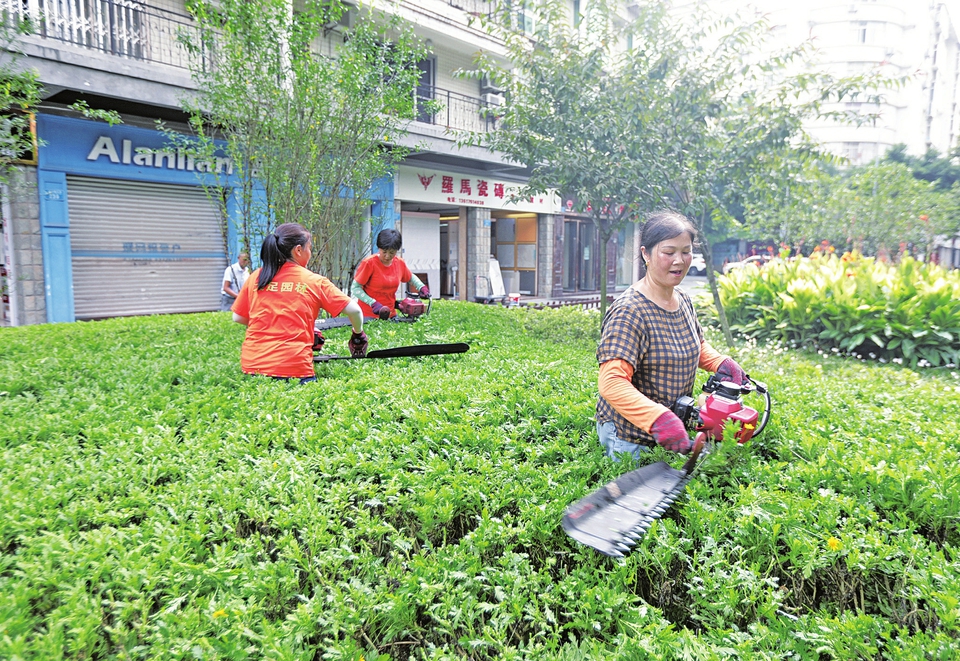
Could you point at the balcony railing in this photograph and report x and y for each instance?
(123, 28)
(458, 111)
(474, 7)
(519, 15)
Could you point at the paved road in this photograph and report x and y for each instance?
(694, 285)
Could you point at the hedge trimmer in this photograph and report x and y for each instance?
(401, 352)
(614, 517)
(410, 309)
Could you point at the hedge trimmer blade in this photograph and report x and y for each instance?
(401, 352)
(614, 517)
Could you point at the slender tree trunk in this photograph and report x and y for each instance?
(604, 234)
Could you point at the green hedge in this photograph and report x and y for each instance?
(854, 305)
(159, 505)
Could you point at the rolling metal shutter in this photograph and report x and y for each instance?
(143, 248)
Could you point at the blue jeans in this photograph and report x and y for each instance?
(613, 446)
(304, 380)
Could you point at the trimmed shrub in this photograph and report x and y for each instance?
(853, 305)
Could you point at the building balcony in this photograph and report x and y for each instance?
(120, 28)
(458, 112)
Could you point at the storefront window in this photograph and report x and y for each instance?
(515, 241)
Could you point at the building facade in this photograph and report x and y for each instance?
(915, 42)
(111, 221)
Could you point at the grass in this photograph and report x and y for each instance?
(157, 504)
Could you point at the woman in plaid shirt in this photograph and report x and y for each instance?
(651, 345)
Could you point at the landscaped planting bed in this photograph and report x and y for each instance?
(908, 312)
(157, 504)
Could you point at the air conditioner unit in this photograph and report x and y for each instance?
(349, 17)
(492, 100)
(487, 86)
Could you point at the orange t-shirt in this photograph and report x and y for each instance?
(280, 333)
(381, 282)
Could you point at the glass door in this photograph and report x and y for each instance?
(425, 89)
(571, 250)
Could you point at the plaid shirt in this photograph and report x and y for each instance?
(662, 346)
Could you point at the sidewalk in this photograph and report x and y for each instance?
(692, 285)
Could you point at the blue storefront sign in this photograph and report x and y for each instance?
(71, 146)
(96, 149)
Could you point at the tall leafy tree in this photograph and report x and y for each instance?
(874, 208)
(636, 108)
(573, 116)
(932, 166)
(733, 110)
(307, 112)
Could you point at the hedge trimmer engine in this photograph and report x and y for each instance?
(722, 401)
(614, 517)
(412, 307)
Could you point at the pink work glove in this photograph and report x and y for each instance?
(358, 344)
(380, 310)
(668, 431)
(730, 371)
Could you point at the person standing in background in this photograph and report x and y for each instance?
(233, 278)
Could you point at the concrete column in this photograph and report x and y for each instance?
(478, 248)
(28, 290)
(545, 247)
(462, 254)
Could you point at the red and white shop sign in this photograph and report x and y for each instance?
(435, 186)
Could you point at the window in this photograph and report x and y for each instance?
(426, 88)
(521, 14)
(515, 241)
(861, 32)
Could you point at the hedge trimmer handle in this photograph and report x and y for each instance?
(699, 442)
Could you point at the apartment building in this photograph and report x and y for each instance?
(111, 221)
(915, 41)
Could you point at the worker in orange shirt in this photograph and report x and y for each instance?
(377, 278)
(279, 303)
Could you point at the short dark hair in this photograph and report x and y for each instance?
(663, 225)
(389, 239)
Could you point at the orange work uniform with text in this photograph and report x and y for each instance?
(381, 282)
(280, 333)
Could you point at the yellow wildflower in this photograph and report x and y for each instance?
(834, 544)
(220, 613)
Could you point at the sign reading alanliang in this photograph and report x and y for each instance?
(83, 147)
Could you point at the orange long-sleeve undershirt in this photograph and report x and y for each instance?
(615, 383)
